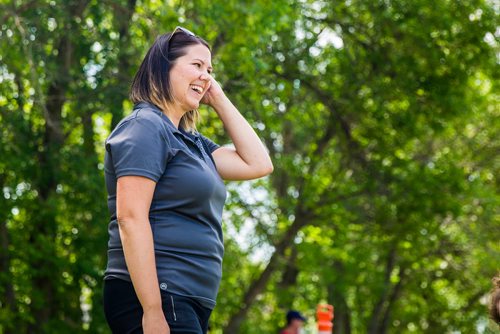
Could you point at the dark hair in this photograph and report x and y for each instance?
(495, 300)
(152, 81)
(294, 315)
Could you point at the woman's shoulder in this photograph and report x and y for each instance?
(146, 113)
(143, 117)
(141, 125)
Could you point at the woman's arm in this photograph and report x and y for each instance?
(134, 195)
(249, 159)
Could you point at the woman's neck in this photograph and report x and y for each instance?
(174, 114)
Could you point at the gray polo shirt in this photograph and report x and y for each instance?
(186, 210)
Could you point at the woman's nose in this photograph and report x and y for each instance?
(205, 76)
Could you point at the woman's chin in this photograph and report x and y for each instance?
(193, 101)
(194, 105)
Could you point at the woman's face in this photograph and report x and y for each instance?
(190, 77)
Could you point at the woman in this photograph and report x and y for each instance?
(165, 192)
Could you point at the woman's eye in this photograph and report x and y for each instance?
(197, 65)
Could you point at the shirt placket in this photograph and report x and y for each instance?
(198, 143)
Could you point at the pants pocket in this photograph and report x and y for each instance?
(173, 307)
(180, 314)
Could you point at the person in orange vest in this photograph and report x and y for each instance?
(294, 322)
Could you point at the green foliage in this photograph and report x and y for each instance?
(382, 120)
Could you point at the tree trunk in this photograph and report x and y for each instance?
(342, 317)
(44, 221)
(396, 291)
(378, 311)
(288, 280)
(121, 84)
(43, 235)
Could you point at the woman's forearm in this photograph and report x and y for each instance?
(246, 142)
(137, 243)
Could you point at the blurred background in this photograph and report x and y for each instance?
(382, 120)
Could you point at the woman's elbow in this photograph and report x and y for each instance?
(123, 221)
(266, 168)
(269, 168)
(128, 220)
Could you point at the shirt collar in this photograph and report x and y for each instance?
(154, 108)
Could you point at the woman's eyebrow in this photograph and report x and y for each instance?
(210, 67)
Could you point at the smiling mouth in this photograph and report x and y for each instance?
(196, 88)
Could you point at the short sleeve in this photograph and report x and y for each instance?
(139, 147)
(209, 144)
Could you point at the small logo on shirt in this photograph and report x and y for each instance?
(163, 286)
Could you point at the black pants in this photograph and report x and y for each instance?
(124, 311)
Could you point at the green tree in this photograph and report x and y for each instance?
(382, 120)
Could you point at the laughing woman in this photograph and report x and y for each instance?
(166, 192)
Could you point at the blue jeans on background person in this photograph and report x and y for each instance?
(123, 310)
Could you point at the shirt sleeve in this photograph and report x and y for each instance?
(209, 144)
(139, 147)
